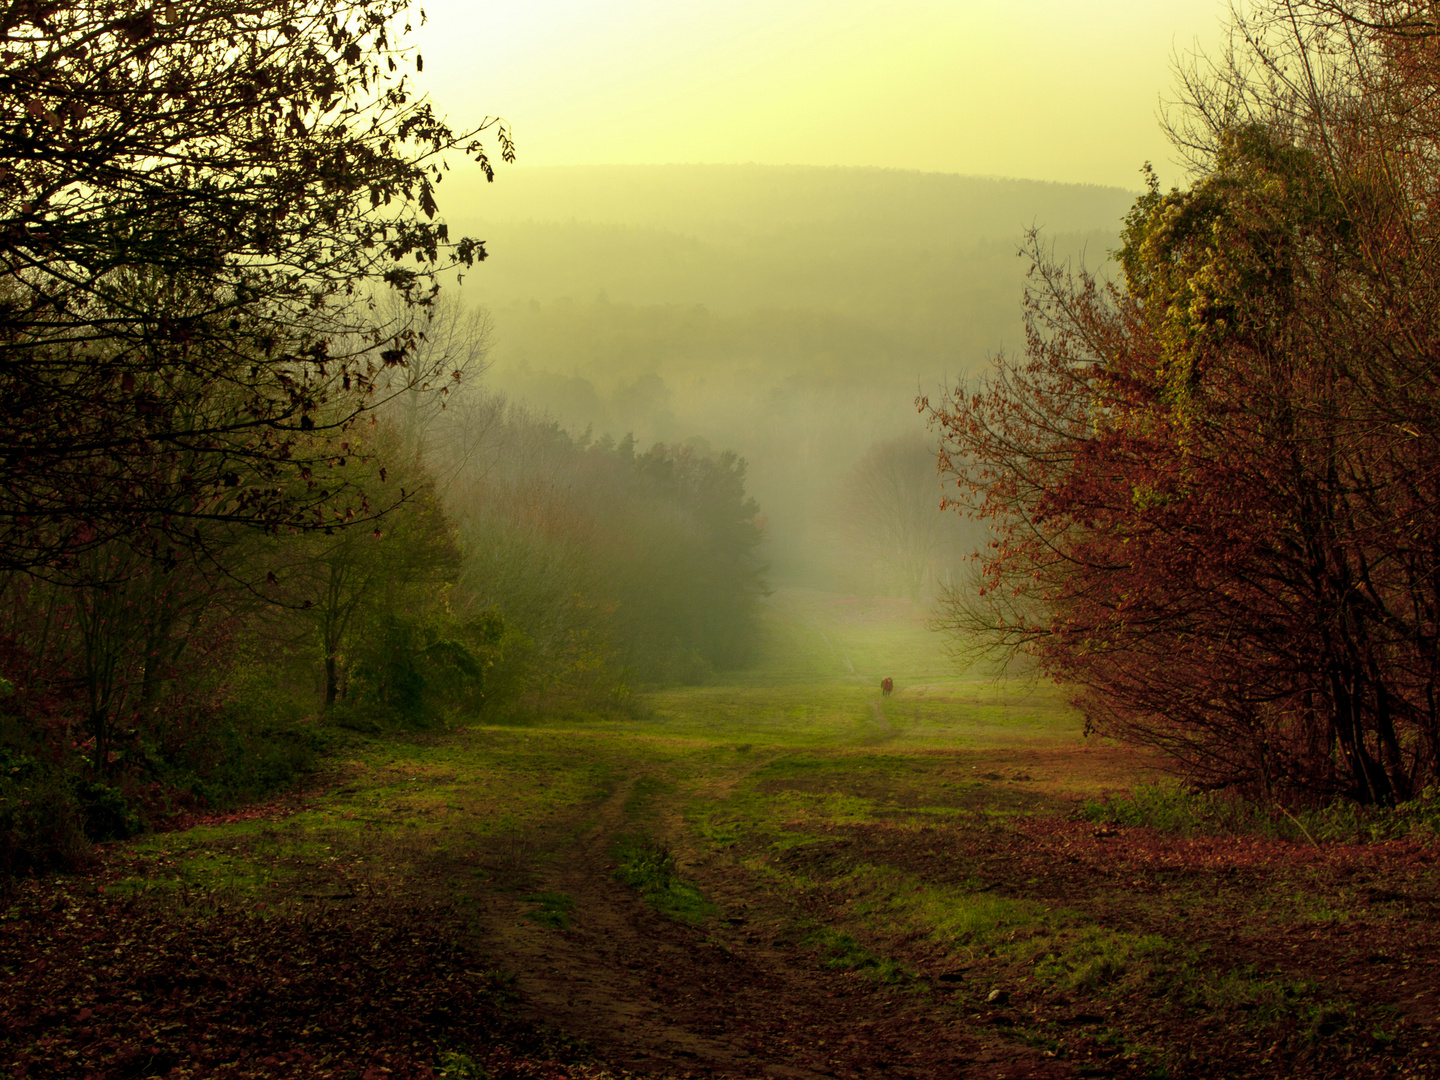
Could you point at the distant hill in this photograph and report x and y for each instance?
(744, 203)
(787, 313)
(928, 258)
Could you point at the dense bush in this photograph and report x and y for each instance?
(41, 821)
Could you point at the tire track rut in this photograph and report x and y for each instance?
(737, 998)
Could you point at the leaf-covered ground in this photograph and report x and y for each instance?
(781, 882)
(95, 986)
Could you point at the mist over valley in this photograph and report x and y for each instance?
(789, 314)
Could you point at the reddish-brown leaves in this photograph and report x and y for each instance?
(93, 987)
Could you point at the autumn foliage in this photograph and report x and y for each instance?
(1215, 480)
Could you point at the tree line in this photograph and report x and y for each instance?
(251, 491)
(607, 562)
(1214, 478)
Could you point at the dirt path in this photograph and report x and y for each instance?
(739, 998)
(971, 928)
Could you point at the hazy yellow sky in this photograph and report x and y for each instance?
(1041, 89)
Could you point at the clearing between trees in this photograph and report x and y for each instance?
(788, 877)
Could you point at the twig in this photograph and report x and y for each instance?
(1299, 826)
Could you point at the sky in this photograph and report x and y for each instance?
(1048, 90)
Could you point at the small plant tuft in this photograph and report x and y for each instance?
(648, 866)
(840, 950)
(554, 910)
(457, 1066)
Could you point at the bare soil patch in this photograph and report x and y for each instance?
(739, 998)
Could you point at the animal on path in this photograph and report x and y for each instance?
(887, 684)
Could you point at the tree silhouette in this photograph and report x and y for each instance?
(888, 510)
(196, 202)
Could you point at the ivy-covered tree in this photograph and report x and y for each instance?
(1216, 483)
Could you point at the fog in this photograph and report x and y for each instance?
(789, 314)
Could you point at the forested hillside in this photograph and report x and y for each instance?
(789, 314)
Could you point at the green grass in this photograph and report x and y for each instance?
(795, 715)
(842, 951)
(1094, 957)
(648, 866)
(553, 911)
(402, 802)
(1171, 808)
(949, 715)
(811, 635)
(644, 793)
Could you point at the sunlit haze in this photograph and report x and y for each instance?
(766, 226)
(1066, 92)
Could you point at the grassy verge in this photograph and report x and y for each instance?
(1172, 808)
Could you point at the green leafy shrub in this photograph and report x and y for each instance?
(417, 671)
(244, 759)
(455, 1065)
(108, 813)
(42, 824)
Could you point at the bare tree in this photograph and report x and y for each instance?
(889, 516)
(449, 355)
